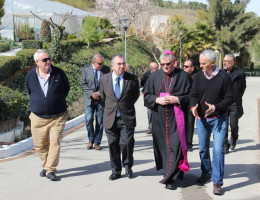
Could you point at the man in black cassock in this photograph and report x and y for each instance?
(166, 94)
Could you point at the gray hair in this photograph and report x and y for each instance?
(116, 55)
(231, 56)
(96, 56)
(39, 51)
(165, 55)
(209, 54)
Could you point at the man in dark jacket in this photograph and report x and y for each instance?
(153, 68)
(120, 90)
(235, 111)
(48, 88)
(190, 69)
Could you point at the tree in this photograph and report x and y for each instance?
(234, 27)
(90, 30)
(45, 32)
(138, 12)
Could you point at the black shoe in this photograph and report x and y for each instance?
(226, 149)
(113, 177)
(171, 186)
(233, 144)
(52, 176)
(43, 173)
(204, 178)
(129, 173)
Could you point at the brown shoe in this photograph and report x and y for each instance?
(149, 132)
(217, 189)
(90, 145)
(97, 147)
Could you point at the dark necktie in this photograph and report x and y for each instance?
(117, 93)
(96, 78)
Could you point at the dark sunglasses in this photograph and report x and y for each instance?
(185, 66)
(99, 63)
(162, 64)
(45, 59)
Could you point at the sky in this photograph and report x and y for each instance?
(253, 6)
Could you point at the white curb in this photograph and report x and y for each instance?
(25, 145)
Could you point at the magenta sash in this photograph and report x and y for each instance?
(179, 116)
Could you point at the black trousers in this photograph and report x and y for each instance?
(190, 129)
(120, 140)
(233, 122)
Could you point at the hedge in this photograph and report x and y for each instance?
(12, 104)
(8, 66)
(32, 44)
(26, 56)
(4, 46)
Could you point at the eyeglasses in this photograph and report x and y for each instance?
(100, 63)
(186, 66)
(162, 64)
(45, 59)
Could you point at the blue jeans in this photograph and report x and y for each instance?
(218, 127)
(98, 109)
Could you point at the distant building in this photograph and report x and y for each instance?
(158, 23)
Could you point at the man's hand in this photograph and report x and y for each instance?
(210, 110)
(95, 95)
(172, 99)
(194, 111)
(167, 100)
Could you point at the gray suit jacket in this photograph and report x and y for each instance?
(128, 97)
(87, 82)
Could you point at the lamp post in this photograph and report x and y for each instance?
(180, 33)
(125, 24)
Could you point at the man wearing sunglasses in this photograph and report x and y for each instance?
(235, 111)
(190, 69)
(94, 106)
(48, 88)
(166, 94)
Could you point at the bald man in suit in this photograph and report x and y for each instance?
(120, 91)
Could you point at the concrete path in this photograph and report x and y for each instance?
(84, 173)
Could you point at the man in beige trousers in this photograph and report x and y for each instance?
(48, 88)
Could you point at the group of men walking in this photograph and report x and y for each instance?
(175, 98)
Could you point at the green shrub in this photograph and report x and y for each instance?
(4, 46)
(65, 49)
(70, 37)
(8, 66)
(26, 56)
(12, 44)
(73, 73)
(32, 44)
(12, 104)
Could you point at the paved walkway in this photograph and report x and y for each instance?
(84, 173)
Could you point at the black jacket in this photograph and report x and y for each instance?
(239, 86)
(55, 101)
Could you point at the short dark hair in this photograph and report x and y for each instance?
(117, 55)
(192, 61)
